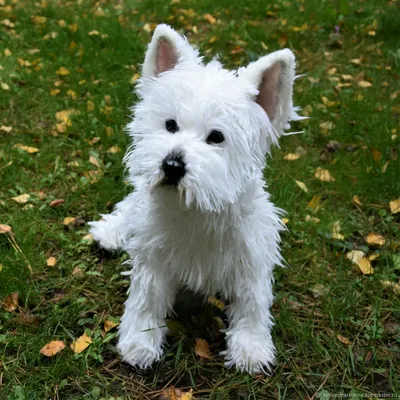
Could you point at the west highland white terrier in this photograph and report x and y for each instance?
(199, 216)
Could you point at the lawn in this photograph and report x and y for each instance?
(67, 74)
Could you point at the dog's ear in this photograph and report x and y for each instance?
(166, 49)
(273, 75)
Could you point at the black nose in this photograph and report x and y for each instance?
(174, 169)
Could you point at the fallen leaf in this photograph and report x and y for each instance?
(202, 349)
(391, 285)
(312, 219)
(319, 290)
(173, 393)
(355, 256)
(343, 339)
(356, 61)
(216, 302)
(373, 257)
(323, 175)
(336, 231)
(94, 33)
(5, 228)
(52, 348)
(81, 343)
(134, 78)
(109, 131)
(374, 238)
(10, 303)
(376, 155)
(395, 206)
(69, 220)
(72, 94)
(364, 84)
(285, 220)
(291, 156)
(5, 86)
(54, 92)
(51, 261)
(210, 19)
(7, 52)
(315, 203)
(7, 129)
(108, 325)
(94, 161)
(302, 186)
(63, 71)
(365, 266)
(28, 149)
(332, 71)
(22, 198)
(326, 126)
(56, 202)
(78, 272)
(113, 150)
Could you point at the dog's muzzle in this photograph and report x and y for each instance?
(174, 169)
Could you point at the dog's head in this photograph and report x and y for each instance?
(203, 131)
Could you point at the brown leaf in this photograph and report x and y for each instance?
(68, 220)
(343, 339)
(108, 325)
(81, 343)
(374, 238)
(173, 393)
(56, 202)
(52, 348)
(94, 161)
(10, 303)
(77, 272)
(202, 349)
(51, 261)
(210, 19)
(5, 228)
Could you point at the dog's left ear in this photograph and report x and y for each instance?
(167, 49)
(273, 75)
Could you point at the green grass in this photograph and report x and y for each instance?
(320, 296)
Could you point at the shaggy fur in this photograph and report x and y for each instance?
(216, 229)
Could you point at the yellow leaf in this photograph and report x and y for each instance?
(10, 303)
(365, 266)
(108, 325)
(343, 339)
(302, 186)
(373, 257)
(327, 126)
(109, 131)
(355, 256)
(291, 156)
(312, 219)
(356, 61)
(39, 20)
(285, 220)
(373, 238)
(63, 71)
(81, 344)
(364, 84)
(64, 116)
(88, 238)
(391, 285)
(90, 106)
(22, 198)
(202, 349)
(94, 33)
(5, 228)
(28, 149)
(69, 220)
(216, 302)
(73, 27)
(327, 102)
(376, 155)
(336, 231)
(323, 175)
(356, 200)
(135, 78)
(72, 94)
(210, 19)
(51, 261)
(314, 203)
(347, 77)
(113, 150)
(395, 206)
(7, 129)
(52, 348)
(54, 92)
(4, 86)
(332, 71)
(173, 393)
(94, 161)
(212, 39)
(7, 52)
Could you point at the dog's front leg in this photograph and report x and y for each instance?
(142, 330)
(249, 342)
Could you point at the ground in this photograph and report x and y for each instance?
(67, 72)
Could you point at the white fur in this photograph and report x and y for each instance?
(217, 231)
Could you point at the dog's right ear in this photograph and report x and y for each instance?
(167, 49)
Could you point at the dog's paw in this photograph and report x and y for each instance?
(140, 352)
(103, 233)
(249, 352)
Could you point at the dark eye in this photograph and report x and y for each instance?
(171, 126)
(215, 137)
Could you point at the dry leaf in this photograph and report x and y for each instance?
(173, 393)
(343, 339)
(365, 266)
(355, 256)
(291, 156)
(93, 160)
(356, 61)
(312, 219)
(51, 261)
(319, 290)
(5, 86)
(376, 155)
(364, 84)
(216, 302)
(28, 149)
(72, 94)
(78, 272)
(10, 303)
(374, 238)
(63, 71)
(22, 198)
(326, 126)
(336, 231)
(69, 220)
(113, 150)
(52, 348)
(109, 131)
(135, 78)
(56, 202)
(323, 175)
(88, 238)
(89, 106)
(285, 220)
(54, 92)
(302, 186)
(202, 349)
(5, 228)
(391, 285)
(356, 200)
(7, 129)
(315, 203)
(81, 343)
(395, 206)
(332, 71)
(94, 33)
(373, 257)
(108, 325)
(7, 52)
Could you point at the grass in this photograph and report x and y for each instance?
(337, 330)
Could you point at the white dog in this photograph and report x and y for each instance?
(199, 216)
